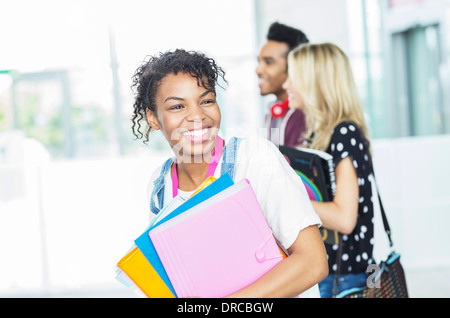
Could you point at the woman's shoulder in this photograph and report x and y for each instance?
(161, 169)
(255, 151)
(345, 127)
(347, 139)
(347, 130)
(253, 145)
(254, 140)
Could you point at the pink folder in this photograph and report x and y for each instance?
(219, 246)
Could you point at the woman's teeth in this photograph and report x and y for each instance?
(196, 133)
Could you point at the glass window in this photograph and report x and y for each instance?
(417, 86)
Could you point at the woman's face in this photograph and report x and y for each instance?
(187, 114)
(295, 100)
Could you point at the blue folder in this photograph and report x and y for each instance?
(144, 243)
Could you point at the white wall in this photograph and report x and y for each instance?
(413, 176)
(320, 20)
(71, 223)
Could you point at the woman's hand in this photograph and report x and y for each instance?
(305, 266)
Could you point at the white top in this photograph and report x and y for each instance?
(279, 190)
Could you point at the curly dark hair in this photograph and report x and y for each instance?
(150, 73)
(283, 33)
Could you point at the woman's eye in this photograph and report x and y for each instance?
(174, 107)
(208, 101)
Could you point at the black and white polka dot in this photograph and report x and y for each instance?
(348, 141)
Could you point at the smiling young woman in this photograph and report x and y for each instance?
(176, 95)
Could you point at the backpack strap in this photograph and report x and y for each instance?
(229, 157)
(159, 186)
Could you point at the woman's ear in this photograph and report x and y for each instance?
(152, 119)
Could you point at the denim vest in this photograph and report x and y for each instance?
(228, 164)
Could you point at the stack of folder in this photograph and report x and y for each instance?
(211, 245)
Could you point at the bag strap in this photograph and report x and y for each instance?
(387, 228)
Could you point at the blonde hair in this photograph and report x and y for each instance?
(322, 75)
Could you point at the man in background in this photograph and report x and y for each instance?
(284, 125)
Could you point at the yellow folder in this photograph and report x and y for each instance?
(205, 183)
(139, 270)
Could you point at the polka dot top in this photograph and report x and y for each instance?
(348, 141)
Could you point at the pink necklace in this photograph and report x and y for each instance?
(215, 158)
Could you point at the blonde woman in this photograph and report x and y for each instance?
(321, 83)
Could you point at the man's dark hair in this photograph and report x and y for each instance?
(283, 33)
(150, 73)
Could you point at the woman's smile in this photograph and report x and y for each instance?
(197, 135)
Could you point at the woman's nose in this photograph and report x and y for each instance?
(196, 114)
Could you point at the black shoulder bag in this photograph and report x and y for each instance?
(388, 280)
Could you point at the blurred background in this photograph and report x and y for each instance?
(73, 178)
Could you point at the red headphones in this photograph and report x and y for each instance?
(279, 109)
